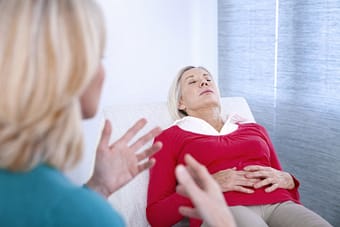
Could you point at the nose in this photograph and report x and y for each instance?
(203, 83)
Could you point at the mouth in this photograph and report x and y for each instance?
(206, 92)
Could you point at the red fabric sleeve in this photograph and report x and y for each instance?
(275, 163)
(162, 200)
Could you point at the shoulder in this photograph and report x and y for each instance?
(254, 129)
(84, 207)
(172, 139)
(251, 125)
(238, 119)
(51, 199)
(171, 132)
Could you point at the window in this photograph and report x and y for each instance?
(284, 58)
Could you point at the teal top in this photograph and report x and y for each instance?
(45, 197)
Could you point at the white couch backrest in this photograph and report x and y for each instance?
(130, 200)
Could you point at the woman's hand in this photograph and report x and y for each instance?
(118, 163)
(196, 183)
(270, 177)
(234, 180)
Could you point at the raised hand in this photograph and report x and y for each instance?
(270, 177)
(118, 163)
(196, 183)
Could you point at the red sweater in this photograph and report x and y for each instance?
(248, 145)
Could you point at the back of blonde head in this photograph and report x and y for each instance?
(49, 51)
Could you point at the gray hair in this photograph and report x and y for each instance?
(175, 95)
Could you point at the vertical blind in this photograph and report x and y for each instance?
(292, 84)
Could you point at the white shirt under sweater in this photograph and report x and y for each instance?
(197, 125)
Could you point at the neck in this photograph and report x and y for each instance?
(210, 115)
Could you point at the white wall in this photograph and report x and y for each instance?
(148, 41)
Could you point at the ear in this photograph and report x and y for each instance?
(181, 106)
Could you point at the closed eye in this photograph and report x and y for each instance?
(208, 78)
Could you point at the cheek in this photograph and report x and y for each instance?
(100, 77)
(90, 99)
(97, 88)
(188, 98)
(190, 92)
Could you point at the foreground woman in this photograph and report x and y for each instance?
(50, 79)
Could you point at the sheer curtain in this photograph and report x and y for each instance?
(284, 57)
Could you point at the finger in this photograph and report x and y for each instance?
(258, 174)
(181, 190)
(242, 189)
(132, 131)
(105, 136)
(241, 175)
(273, 187)
(146, 165)
(145, 139)
(193, 174)
(255, 168)
(227, 171)
(241, 172)
(264, 182)
(150, 151)
(188, 212)
(246, 182)
(190, 187)
(199, 171)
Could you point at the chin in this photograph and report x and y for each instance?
(88, 114)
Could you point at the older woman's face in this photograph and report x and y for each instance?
(197, 91)
(90, 99)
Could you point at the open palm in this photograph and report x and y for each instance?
(120, 162)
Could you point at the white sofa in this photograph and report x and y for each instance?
(130, 200)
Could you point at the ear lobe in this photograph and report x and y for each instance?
(180, 104)
(181, 107)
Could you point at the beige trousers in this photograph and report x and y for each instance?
(286, 214)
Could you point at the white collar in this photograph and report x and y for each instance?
(197, 125)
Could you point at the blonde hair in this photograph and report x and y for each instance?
(49, 52)
(175, 95)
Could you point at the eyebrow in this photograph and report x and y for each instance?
(188, 77)
(191, 76)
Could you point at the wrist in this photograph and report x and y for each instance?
(290, 180)
(95, 186)
(226, 219)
